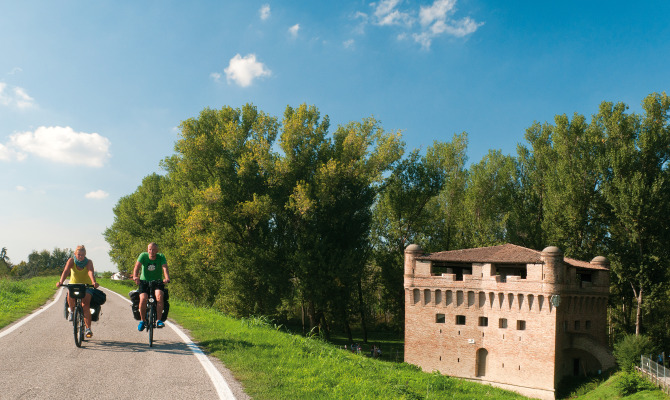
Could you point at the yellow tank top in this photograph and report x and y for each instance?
(79, 275)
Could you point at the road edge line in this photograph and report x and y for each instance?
(215, 376)
(12, 328)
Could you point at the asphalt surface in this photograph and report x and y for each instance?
(39, 359)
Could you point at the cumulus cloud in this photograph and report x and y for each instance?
(97, 195)
(264, 12)
(293, 31)
(243, 70)
(434, 20)
(348, 43)
(386, 13)
(60, 144)
(15, 97)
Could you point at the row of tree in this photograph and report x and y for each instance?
(259, 216)
(39, 263)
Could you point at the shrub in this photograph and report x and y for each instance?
(632, 382)
(629, 349)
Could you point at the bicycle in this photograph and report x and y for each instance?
(77, 291)
(152, 311)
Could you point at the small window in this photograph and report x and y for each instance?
(439, 318)
(502, 323)
(576, 325)
(520, 325)
(587, 325)
(565, 326)
(460, 320)
(483, 321)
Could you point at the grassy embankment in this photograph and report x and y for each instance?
(19, 298)
(274, 364)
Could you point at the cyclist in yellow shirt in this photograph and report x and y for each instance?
(80, 270)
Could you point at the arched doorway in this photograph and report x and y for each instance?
(482, 354)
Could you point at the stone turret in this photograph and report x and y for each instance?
(554, 269)
(411, 252)
(601, 277)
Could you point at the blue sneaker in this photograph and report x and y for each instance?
(140, 327)
(159, 324)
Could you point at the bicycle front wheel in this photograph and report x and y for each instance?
(152, 323)
(78, 324)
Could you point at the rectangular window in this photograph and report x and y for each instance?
(483, 321)
(576, 325)
(520, 325)
(587, 325)
(439, 318)
(460, 320)
(502, 323)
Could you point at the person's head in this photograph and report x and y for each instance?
(80, 252)
(152, 249)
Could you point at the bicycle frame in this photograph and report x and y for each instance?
(151, 310)
(77, 291)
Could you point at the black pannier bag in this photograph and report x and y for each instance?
(166, 305)
(96, 310)
(98, 298)
(135, 306)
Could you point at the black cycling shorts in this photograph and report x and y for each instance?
(144, 287)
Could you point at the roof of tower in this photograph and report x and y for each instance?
(502, 254)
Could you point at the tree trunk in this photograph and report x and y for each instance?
(361, 307)
(313, 318)
(638, 313)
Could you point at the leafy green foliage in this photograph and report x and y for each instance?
(628, 350)
(286, 218)
(631, 382)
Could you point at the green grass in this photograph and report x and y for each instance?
(21, 297)
(609, 390)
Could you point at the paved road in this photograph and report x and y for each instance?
(39, 360)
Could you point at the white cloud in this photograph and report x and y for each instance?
(20, 188)
(243, 70)
(62, 144)
(15, 97)
(434, 20)
(215, 76)
(386, 14)
(438, 11)
(264, 12)
(348, 43)
(97, 195)
(293, 31)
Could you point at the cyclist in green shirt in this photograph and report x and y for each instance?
(151, 266)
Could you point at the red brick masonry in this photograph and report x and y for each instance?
(506, 315)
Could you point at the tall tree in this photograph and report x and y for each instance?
(140, 218)
(223, 187)
(329, 189)
(636, 187)
(489, 200)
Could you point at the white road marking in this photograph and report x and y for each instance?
(31, 316)
(215, 376)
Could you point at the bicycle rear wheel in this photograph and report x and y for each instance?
(78, 323)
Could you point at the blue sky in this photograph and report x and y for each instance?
(92, 92)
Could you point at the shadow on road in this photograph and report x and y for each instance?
(167, 347)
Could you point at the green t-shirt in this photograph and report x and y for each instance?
(152, 270)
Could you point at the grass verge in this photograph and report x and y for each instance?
(21, 297)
